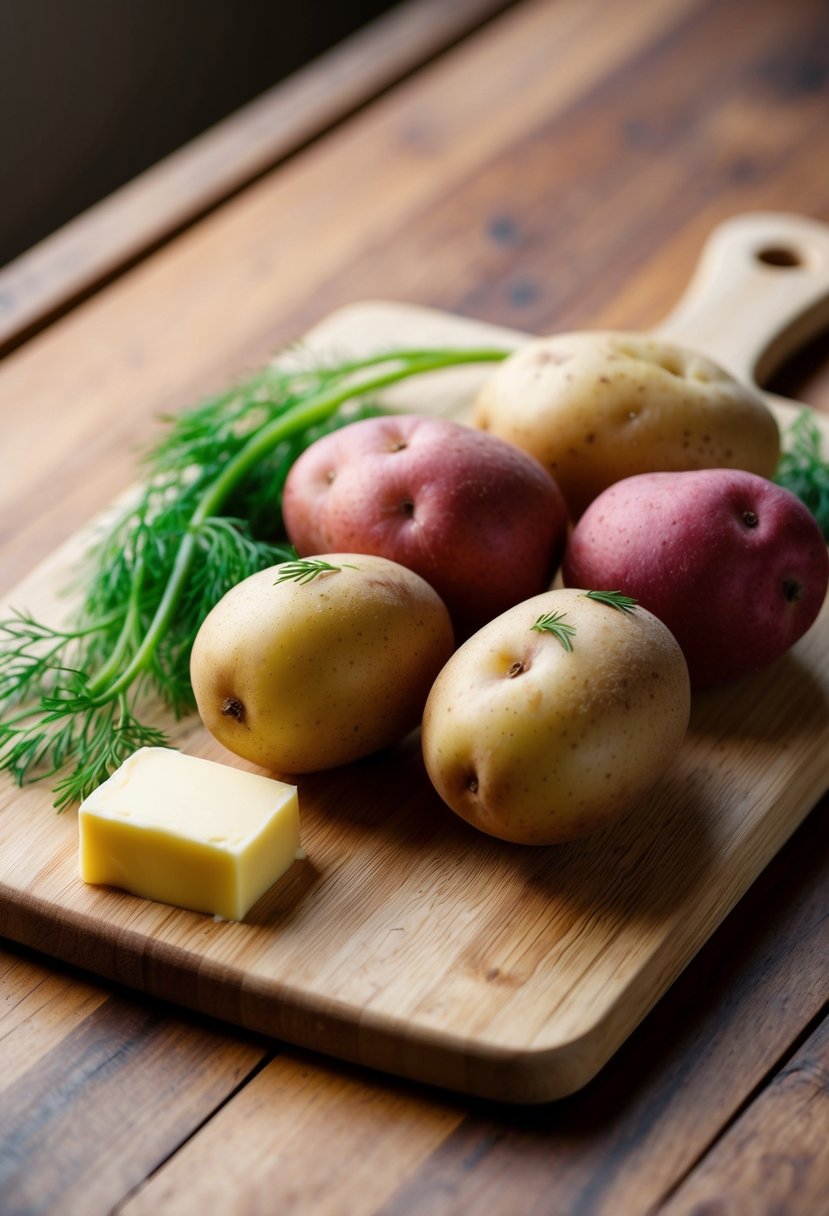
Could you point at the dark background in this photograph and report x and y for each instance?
(94, 91)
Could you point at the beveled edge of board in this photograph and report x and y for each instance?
(532, 1075)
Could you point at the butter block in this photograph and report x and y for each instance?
(189, 832)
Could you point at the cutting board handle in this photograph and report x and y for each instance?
(759, 293)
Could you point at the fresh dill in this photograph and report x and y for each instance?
(803, 469)
(554, 623)
(306, 569)
(613, 599)
(76, 701)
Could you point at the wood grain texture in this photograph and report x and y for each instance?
(556, 197)
(410, 943)
(352, 216)
(160, 202)
(98, 1089)
(776, 1155)
(272, 1130)
(589, 207)
(323, 1138)
(619, 1146)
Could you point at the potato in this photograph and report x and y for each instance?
(299, 675)
(482, 522)
(733, 564)
(535, 743)
(596, 407)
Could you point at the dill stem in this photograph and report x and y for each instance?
(308, 413)
(127, 634)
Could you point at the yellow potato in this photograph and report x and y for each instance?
(594, 408)
(304, 675)
(536, 743)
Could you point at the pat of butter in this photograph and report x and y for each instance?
(189, 832)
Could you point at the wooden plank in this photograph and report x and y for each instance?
(40, 1006)
(97, 245)
(526, 238)
(55, 438)
(617, 1148)
(300, 1139)
(775, 1157)
(423, 160)
(331, 226)
(99, 1089)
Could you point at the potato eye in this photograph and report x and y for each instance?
(232, 707)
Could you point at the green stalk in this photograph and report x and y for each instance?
(307, 414)
(126, 635)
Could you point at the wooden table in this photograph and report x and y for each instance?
(547, 165)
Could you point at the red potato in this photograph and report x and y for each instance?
(481, 521)
(734, 565)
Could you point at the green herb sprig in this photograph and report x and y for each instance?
(803, 469)
(305, 569)
(613, 599)
(206, 516)
(554, 623)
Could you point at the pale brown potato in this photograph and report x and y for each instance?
(300, 676)
(536, 743)
(596, 407)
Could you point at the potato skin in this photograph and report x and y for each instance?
(481, 521)
(536, 745)
(735, 565)
(594, 408)
(300, 677)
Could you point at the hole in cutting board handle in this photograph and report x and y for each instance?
(781, 256)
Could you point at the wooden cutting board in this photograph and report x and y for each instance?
(407, 941)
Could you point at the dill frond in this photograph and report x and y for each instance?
(207, 515)
(803, 469)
